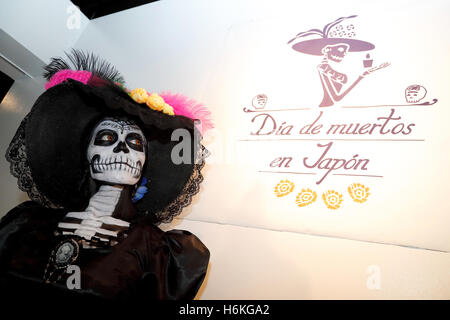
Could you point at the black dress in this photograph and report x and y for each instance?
(148, 264)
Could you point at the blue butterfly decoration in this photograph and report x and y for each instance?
(141, 191)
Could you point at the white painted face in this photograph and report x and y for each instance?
(116, 152)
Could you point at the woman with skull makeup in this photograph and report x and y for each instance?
(116, 156)
(100, 184)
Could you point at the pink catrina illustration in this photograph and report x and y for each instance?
(333, 47)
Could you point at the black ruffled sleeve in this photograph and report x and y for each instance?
(177, 267)
(20, 224)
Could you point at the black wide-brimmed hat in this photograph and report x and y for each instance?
(48, 152)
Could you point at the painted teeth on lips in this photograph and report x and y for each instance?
(129, 166)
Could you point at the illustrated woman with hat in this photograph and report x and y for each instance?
(334, 50)
(103, 167)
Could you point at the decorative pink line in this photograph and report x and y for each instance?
(357, 175)
(245, 109)
(312, 173)
(335, 174)
(335, 139)
(427, 103)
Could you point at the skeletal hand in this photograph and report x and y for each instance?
(381, 66)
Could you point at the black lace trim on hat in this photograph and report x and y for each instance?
(16, 155)
(191, 188)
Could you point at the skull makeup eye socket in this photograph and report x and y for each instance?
(105, 138)
(135, 141)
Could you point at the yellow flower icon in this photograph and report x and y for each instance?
(306, 197)
(284, 187)
(139, 95)
(332, 199)
(358, 192)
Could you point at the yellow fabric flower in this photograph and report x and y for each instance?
(168, 110)
(139, 95)
(156, 102)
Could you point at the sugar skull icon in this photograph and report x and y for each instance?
(259, 101)
(415, 93)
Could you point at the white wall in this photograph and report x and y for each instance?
(46, 27)
(222, 53)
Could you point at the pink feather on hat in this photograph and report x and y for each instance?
(184, 106)
(62, 75)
